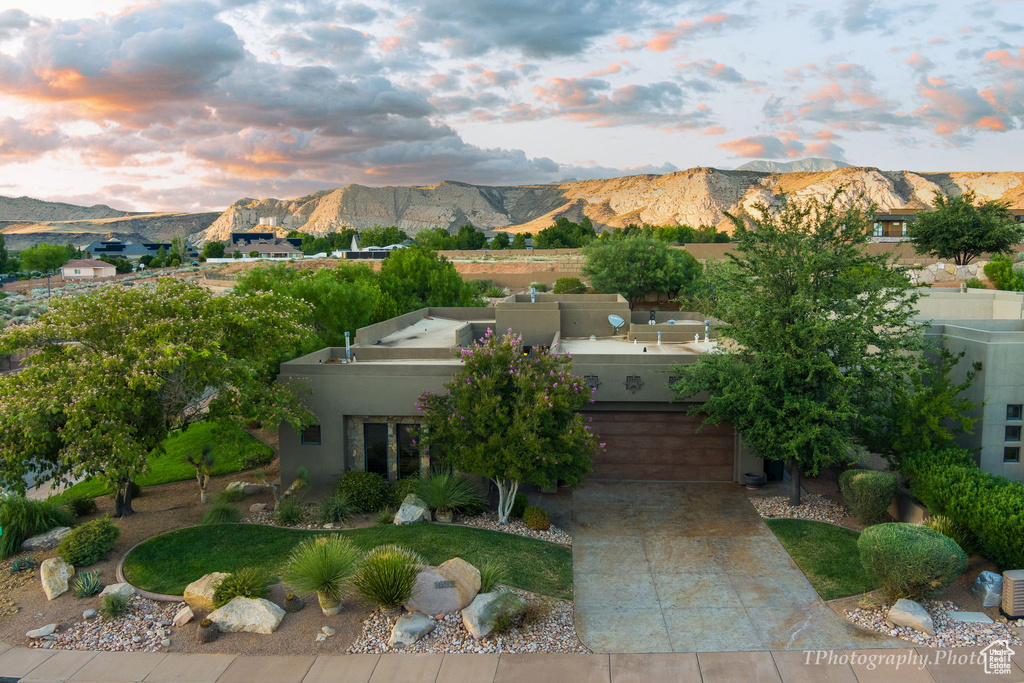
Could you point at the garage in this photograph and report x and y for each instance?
(661, 446)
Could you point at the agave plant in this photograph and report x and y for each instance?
(322, 565)
(446, 492)
(388, 575)
(87, 584)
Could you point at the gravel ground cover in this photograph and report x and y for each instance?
(813, 507)
(948, 633)
(141, 629)
(553, 632)
(516, 526)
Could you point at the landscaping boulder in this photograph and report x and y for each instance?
(481, 614)
(988, 589)
(42, 632)
(413, 510)
(51, 539)
(247, 488)
(447, 588)
(911, 614)
(54, 574)
(90, 614)
(199, 593)
(183, 616)
(408, 629)
(248, 615)
(125, 589)
(970, 617)
(257, 507)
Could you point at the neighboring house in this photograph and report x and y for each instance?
(366, 405)
(892, 225)
(113, 248)
(80, 269)
(272, 248)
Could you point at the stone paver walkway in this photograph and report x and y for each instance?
(865, 666)
(691, 567)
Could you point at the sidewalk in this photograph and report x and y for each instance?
(23, 665)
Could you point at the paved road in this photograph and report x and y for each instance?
(687, 567)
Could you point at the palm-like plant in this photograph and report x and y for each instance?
(388, 575)
(322, 565)
(446, 492)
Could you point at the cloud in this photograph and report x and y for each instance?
(765, 147)
(665, 40)
(594, 101)
(24, 140)
(14, 21)
(956, 111)
(709, 68)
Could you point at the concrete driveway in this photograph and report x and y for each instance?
(689, 567)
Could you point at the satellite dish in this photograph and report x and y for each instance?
(616, 322)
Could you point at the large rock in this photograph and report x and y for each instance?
(41, 632)
(408, 629)
(125, 589)
(248, 615)
(911, 614)
(481, 614)
(247, 488)
(199, 593)
(969, 617)
(988, 589)
(51, 539)
(444, 589)
(54, 574)
(183, 616)
(413, 510)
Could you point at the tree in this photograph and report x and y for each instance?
(45, 257)
(117, 370)
(565, 234)
(1001, 272)
(417, 277)
(960, 230)
(511, 418)
(178, 249)
(343, 239)
(3, 255)
(160, 260)
(636, 266)
(501, 241)
(213, 250)
(121, 265)
(470, 238)
(519, 240)
(811, 325)
(923, 410)
(379, 236)
(203, 463)
(569, 285)
(435, 238)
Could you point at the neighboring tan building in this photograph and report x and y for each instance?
(274, 249)
(80, 269)
(892, 225)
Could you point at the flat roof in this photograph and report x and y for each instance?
(426, 333)
(580, 346)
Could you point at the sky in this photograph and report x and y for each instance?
(191, 106)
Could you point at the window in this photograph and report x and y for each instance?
(1013, 411)
(408, 454)
(78, 271)
(1011, 454)
(878, 229)
(1012, 433)
(311, 436)
(375, 445)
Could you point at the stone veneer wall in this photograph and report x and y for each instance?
(948, 272)
(355, 458)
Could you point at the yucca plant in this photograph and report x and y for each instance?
(114, 605)
(386, 516)
(87, 584)
(336, 508)
(446, 492)
(289, 511)
(387, 575)
(961, 535)
(247, 582)
(322, 565)
(221, 512)
(491, 574)
(21, 518)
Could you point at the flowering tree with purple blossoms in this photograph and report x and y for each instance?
(113, 373)
(511, 418)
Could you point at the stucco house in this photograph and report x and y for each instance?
(81, 269)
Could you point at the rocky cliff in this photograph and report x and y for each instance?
(698, 196)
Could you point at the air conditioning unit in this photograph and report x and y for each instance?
(1013, 594)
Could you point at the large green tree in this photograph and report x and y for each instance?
(960, 229)
(380, 236)
(810, 324)
(416, 277)
(115, 372)
(565, 234)
(636, 266)
(213, 250)
(45, 257)
(510, 417)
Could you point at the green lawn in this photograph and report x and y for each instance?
(228, 448)
(827, 554)
(168, 563)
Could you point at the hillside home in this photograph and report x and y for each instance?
(892, 225)
(82, 269)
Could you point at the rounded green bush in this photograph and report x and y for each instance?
(247, 582)
(868, 494)
(402, 488)
(90, 542)
(569, 285)
(536, 518)
(910, 560)
(366, 491)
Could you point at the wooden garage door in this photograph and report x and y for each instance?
(662, 446)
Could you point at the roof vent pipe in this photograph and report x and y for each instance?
(348, 347)
(659, 336)
(533, 295)
(707, 329)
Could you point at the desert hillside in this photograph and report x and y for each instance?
(37, 210)
(698, 196)
(152, 227)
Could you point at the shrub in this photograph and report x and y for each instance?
(367, 491)
(81, 506)
(519, 505)
(402, 488)
(229, 496)
(90, 542)
(21, 518)
(910, 560)
(495, 292)
(337, 508)
(388, 575)
(114, 605)
(491, 574)
(535, 518)
(322, 565)
(960, 535)
(221, 512)
(569, 285)
(950, 484)
(289, 512)
(975, 283)
(248, 582)
(539, 286)
(253, 458)
(87, 584)
(868, 493)
(444, 490)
